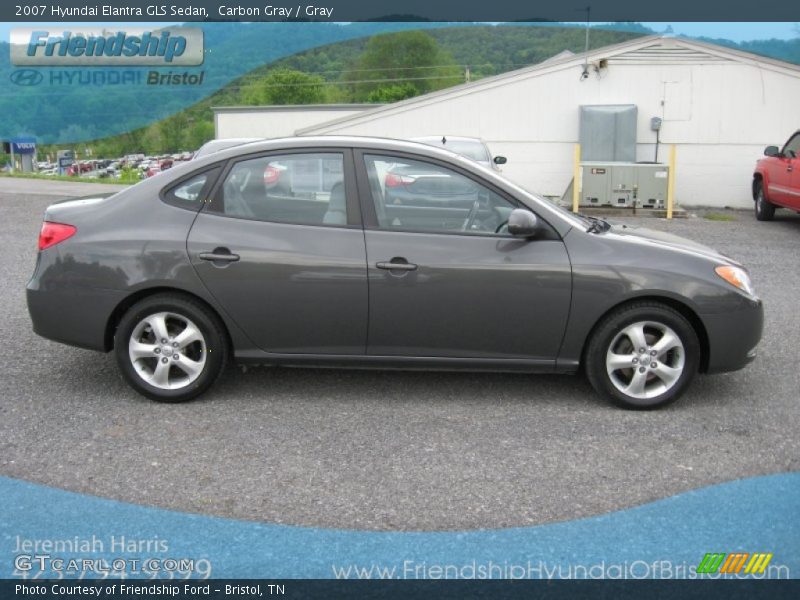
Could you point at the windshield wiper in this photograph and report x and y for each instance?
(597, 225)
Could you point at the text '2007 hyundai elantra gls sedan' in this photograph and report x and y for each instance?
(304, 252)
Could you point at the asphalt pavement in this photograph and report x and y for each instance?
(393, 450)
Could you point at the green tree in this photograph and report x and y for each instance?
(285, 86)
(173, 131)
(392, 93)
(408, 58)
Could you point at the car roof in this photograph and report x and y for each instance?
(437, 139)
(221, 144)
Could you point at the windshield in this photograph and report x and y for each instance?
(471, 149)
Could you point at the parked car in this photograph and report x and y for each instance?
(776, 180)
(181, 272)
(470, 147)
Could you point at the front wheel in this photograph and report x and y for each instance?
(170, 348)
(765, 210)
(642, 356)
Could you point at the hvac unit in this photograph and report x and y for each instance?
(622, 184)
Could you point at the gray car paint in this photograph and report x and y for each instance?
(496, 303)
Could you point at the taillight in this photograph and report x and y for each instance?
(54, 233)
(271, 175)
(395, 180)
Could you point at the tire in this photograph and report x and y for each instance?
(618, 341)
(193, 334)
(765, 210)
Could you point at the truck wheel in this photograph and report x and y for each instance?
(764, 209)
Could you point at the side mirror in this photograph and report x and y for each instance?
(522, 223)
(772, 151)
(500, 160)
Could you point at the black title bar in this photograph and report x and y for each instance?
(397, 10)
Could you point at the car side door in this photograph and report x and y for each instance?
(446, 280)
(281, 248)
(780, 171)
(792, 153)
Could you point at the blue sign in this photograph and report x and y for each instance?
(23, 145)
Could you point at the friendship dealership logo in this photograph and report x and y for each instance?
(98, 46)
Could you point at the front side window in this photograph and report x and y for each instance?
(792, 149)
(414, 195)
(293, 188)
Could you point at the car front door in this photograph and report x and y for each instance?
(446, 279)
(791, 152)
(281, 248)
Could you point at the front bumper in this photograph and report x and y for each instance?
(733, 336)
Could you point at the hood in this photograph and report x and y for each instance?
(644, 235)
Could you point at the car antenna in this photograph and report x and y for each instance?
(444, 140)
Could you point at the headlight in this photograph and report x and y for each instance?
(737, 277)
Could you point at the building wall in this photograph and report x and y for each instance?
(270, 122)
(720, 114)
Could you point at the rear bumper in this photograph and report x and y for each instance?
(77, 317)
(733, 337)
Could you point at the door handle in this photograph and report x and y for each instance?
(397, 264)
(219, 255)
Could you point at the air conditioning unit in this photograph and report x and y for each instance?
(624, 184)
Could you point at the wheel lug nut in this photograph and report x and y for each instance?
(175, 356)
(165, 359)
(652, 352)
(642, 369)
(163, 340)
(653, 365)
(641, 350)
(157, 350)
(635, 360)
(174, 344)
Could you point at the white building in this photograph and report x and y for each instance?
(720, 107)
(278, 121)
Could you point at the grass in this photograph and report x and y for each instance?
(121, 181)
(713, 216)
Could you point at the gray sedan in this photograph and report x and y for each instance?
(292, 253)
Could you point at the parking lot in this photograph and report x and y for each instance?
(394, 450)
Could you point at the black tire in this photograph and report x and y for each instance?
(765, 210)
(210, 351)
(656, 320)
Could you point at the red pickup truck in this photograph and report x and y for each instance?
(776, 181)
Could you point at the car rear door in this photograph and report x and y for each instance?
(281, 248)
(443, 282)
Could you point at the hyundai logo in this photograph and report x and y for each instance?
(26, 77)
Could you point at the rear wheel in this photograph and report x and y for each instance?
(765, 210)
(642, 356)
(170, 348)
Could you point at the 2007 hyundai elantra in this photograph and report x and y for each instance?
(303, 251)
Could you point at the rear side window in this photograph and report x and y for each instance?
(192, 193)
(305, 189)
